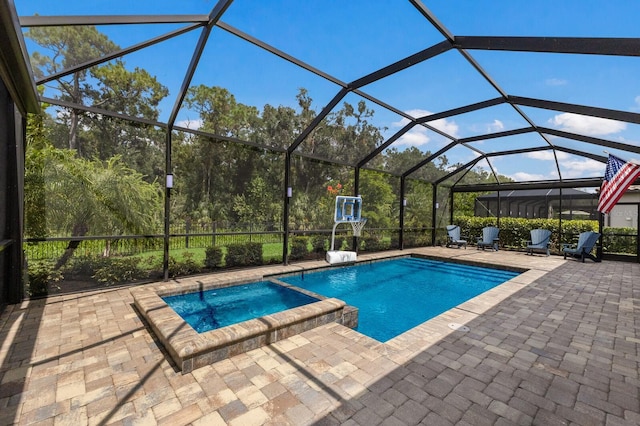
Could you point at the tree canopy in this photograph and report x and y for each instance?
(99, 175)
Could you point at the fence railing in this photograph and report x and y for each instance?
(182, 236)
(200, 236)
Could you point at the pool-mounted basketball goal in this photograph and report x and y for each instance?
(348, 210)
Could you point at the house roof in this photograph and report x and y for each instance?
(538, 193)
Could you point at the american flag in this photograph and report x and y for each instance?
(617, 178)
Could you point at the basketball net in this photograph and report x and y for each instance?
(357, 226)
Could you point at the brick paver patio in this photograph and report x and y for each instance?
(559, 346)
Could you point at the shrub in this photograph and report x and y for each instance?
(374, 243)
(319, 243)
(154, 266)
(244, 254)
(185, 266)
(344, 243)
(117, 270)
(86, 266)
(42, 276)
(213, 257)
(299, 248)
(620, 240)
(515, 232)
(411, 239)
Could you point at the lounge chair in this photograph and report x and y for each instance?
(586, 241)
(454, 237)
(489, 238)
(540, 241)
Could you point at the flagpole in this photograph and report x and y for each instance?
(625, 160)
(601, 231)
(600, 226)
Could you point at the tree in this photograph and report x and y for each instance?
(258, 204)
(400, 161)
(354, 136)
(69, 46)
(109, 86)
(34, 178)
(345, 135)
(419, 197)
(84, 196)
(279, 126)
(378, 199)
(134, 93)
(223, 169)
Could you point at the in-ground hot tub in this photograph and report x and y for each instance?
(190, 349)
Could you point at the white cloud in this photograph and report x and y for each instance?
(416, 113)
(555, 82)
(415, 137)
(492, 127)
(581, 168)
(496, 126)
(571, 166)
(190, 124)
(523, 176)
(418, 135)
(586, 125)
(449, 127)
(546, 155)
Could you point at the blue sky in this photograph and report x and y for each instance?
(349, 39)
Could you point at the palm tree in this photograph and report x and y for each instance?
(82, 196)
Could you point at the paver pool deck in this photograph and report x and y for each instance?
(558, 345)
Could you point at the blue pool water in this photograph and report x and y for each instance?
(396, 295)
(211, 309)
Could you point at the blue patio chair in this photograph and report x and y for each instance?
(489, 238)
(454, 237)
(586, 242)
(540, 241)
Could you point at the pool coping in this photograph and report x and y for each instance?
(190, 349)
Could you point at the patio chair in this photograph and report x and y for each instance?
(586, 241)
(489, 238)
(540, 241)
(454, 238)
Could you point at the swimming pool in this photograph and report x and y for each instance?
(220, 307)
(190, 349)
(396, 295)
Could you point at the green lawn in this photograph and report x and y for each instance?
(270, 252)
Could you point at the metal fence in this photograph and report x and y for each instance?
(186, 235)
(201, 235)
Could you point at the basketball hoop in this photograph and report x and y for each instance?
(357, 226)
(347, 210)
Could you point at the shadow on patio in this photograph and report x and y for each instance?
(562, 349)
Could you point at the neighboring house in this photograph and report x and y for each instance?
(539, 203)
(625, 212)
